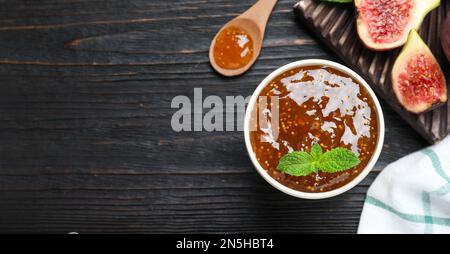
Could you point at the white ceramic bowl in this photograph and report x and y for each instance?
(319, 195)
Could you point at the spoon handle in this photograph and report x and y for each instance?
(260, 12)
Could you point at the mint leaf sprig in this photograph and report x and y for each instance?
(302, 163)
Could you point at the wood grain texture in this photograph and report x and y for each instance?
(334, 25)
(86, 142)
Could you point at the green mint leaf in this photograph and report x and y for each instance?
(303, 163)
(338, 1)
(316, 152)
(297, 164)
(337, 160)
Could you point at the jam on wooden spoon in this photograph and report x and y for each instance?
(237, 45)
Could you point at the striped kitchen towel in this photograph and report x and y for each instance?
(411, 195)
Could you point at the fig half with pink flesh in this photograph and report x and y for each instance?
(417, 79)
(385, 24)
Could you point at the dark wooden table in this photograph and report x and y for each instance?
(86, 143)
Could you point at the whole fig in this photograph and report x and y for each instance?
(445, 36)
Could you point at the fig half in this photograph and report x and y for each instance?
(417, 79)
(385, 24)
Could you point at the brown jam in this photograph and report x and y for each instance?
(317, 104)
(233, 48)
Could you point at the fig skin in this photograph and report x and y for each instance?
(420, 9)
(445, 36)
(414, 46)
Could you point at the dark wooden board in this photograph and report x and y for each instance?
(334, 25)
(85, 137)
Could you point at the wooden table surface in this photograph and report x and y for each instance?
(85, 108)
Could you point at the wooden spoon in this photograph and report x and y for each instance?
(253, 22)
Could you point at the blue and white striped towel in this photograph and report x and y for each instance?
(411, 195)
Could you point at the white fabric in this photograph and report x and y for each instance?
(411, 195)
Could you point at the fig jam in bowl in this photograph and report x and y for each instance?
(309, 104)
